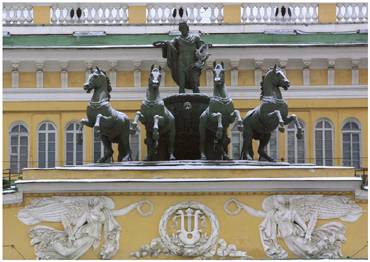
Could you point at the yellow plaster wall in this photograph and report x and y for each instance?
(7, 79)
(137, 14)
(169, 82)
(246, 78)
(76, 79)
(41, 15)
(232, 14)
(327, 13)
(52, 80)
(144, 78)
(27, 79)
(295, 76)
(203, 78)
(343, 77)
(318, 77)
(228, 78)
(363, 75)
(136, 231)
(125, 79)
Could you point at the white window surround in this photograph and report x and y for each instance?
(324, 159)
(291, 127)
(18, 145)
(74, 132)
(47, 132)
(356, 131)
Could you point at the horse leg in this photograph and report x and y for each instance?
(202, 134)
(156, 130)
(281, 122)
(124, 150)
(239, 121)
(219, 132)
(171, 144)
(264, 140)
(298, 126)
(83, 122)
(247, 149)
(108, 150)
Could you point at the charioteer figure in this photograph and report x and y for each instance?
(186, 56)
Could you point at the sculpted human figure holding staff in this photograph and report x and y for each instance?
(186, 55)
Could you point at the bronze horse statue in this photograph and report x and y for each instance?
(113, 126)
(266, 117)
(218, 117)
(158, 120)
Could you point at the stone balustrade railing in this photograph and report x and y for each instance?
(108, 13)
(193, 13)
(168, 13)
(17, 13)
(352, 13)
(279, 13)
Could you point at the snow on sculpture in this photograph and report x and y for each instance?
(83, 219)
(293, 218)
(189, 229)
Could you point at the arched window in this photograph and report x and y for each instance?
(351, 133)
(46, 145)
(324, 143)
(74, 151)
(273, 145)
(98, 146)
(18, 137)
(296, 151)
(236, 142)
(135, 145)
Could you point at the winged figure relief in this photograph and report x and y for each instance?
(84, 220)
(293, 218)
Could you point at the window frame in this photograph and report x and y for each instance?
(303, 124)
(38, 147)
(347, 120)
(65, 144)
(12, 125)
(332, 139)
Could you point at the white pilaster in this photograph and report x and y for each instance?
(64, 75)
(355, 72)
(15, 75)
(331, 72)
(306, 72)
(209, 73)
(282, 65)
(137, 74)
(39, 75)
(258, 72)
(89, 66)
(163, 73)
(113, 74)
(234, 73)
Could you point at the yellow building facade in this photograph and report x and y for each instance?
(48, 51)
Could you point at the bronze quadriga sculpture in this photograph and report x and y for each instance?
(272, 113)
(216, 119)
(114, 126)
(158, 120)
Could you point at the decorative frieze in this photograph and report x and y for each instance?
(294, 219)
(82, 218)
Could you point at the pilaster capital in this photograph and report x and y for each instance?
(113, 65)
(64, 65)
(258, 63)
(331, 63)
(355, 63)
(89, 65)
(234, 64)
(137, 65)
(283, 63)
(15, 66)
(39, 65)
(306, 64)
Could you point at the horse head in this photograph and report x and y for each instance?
(218, 74)
(277, 78)
(155, 77)
(96, 79)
